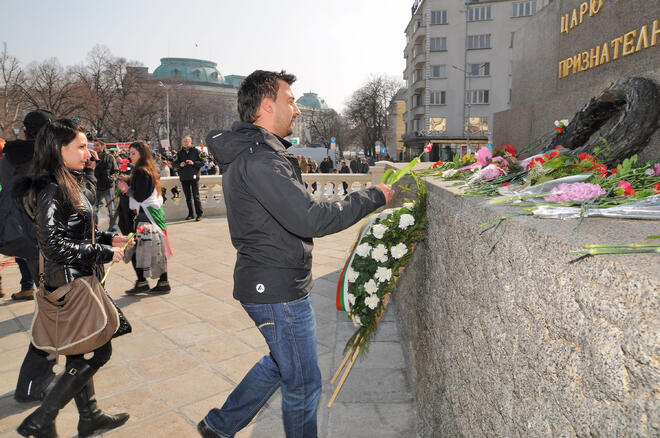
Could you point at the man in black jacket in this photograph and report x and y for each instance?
(106, 173)
(272, 220)
(188, 163)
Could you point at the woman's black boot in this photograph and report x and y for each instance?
(92, 419)
(41, 423)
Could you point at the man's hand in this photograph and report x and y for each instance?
(387, 190)
(117, 255)
(91, 163)
(118, 241)
(190, 162)
(182, 165)
(123, 187)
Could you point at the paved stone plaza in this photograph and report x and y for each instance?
(191, 347)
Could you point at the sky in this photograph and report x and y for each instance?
(332, 46)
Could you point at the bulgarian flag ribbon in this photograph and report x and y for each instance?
(153, 208)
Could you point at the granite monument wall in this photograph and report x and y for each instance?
(540, 96)
(521, 342)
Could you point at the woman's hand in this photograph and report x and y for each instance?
(118, 254)
(118, 241)
(123, 187)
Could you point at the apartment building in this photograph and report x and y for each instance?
(458, 71)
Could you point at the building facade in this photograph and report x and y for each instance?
(458, 71)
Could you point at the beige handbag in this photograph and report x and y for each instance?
(76, 318)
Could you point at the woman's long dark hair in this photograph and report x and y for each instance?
(48, 162)
(146, 163)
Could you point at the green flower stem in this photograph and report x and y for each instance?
(653, 237)
(617, 251)
(123, 248)
(517, 197)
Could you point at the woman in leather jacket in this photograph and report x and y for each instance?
(60, 197)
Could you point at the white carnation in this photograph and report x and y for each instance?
(378, 231)
(356, 320)
(352, 275)
(408, 205)
(449, 173)
(399, 250)
(383, 274)
(371, 301)
(370, 286)
(379, 253)
(351, 298)
(406, 220)
(363, 250)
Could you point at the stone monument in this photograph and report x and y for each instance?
(596, 63)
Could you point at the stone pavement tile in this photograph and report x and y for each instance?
(264, 426)
(164, 365)
(12, 413)
(14, 340)
(198, 410)
(8, 381)
(20, 308)
(167, 425)
(180, 289)
(237, 320)
(113, 379)
(252, 336)
(25, 321)
(9, 326)
(214, 310)
(145, 305)
(375, 385)
(12, 359)
(193, 333)
(168, 320)
(134, 347)
(387, 331)
(237, 367)
(327, 366)
(325, 334)
(381, 355)
(192, 386)
(187, 301)
(219, 349)
(371, 420)
(139, 403)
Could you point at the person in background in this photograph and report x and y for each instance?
(106, 173)
(364, 166)
(59, 196)
(145, 197)
(354, 165)
(344, 169)
(188, 162)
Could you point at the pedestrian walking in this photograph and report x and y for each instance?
(60, 198)
(188, 162)
(149, 257)
(272, 221)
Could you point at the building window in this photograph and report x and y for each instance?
(478, 42)
(176, 72)
(477, 125)
(415, 124)
(476, 96)
(438, 44)
(437, 97)
(438, 17)
(524, 9)
(438, 71)
(416, 100)
(479, 14)
(482, 69)
(197, 73)
(417, 50)
(437, 124)
(418, 75)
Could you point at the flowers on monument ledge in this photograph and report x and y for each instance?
(372, 301)
(575, 192)
(363, 250)
(491, 172)
(378, 231)
(655, 187)
(399, 250)
(624, 188)
(656, 169)
(352, 275)
(379, 253)
(371, 287)
(428, 147)
(438, 164)
(560, 125)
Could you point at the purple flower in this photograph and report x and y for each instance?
(575, 192)
(656, 169)
(491, 172)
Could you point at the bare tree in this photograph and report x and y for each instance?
(324, 124)
(11, 75)
(367, 110)
(49, 85)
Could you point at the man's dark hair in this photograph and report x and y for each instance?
(35, 120)
(255, 87)
(99, 141)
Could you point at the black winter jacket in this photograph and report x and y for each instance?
(106, 171)
(272, 218)
(65, 235)
(188, 172)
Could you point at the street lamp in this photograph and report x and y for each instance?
(16, 132)
(167, 109)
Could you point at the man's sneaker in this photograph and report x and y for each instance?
(199, 218)
(189, 218)
(23, 295)
(162, 287)
(140, 286)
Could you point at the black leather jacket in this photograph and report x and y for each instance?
(64, 236)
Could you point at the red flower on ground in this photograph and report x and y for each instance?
(506, 184)
(428, 147)
(656, 187)
(438, 164)
(536, 160)
(559, 130)
(613, 171)
(559, 147)
(628, 190)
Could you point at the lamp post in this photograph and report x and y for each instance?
(167, 109)
(16, 131)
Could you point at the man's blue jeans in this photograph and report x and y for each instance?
(290, 331)
(108, 197)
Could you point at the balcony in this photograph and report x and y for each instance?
(419, 34)
(419, 58)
